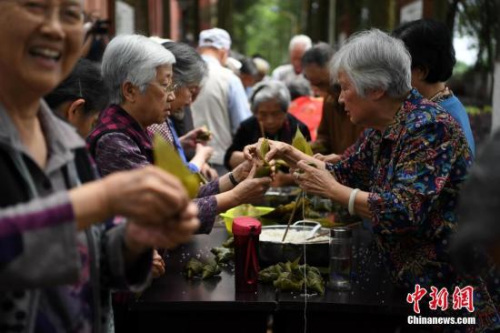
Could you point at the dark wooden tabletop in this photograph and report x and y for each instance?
(371, 291)
(175, 291)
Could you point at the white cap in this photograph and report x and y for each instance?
(218, 38)
(159, 40)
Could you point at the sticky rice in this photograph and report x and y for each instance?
(293, 236)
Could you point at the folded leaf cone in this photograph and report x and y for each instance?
(167, 158)
(299, 142)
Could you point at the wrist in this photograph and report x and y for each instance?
(233, 179)
(352, 199)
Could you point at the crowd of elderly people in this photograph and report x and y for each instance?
(78, 220)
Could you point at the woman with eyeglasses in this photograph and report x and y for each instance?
(57, 263)
(138, 72)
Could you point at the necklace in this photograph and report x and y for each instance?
(440, 94)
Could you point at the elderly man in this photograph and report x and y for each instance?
(288, 73)
(222, 103)
(335, 131)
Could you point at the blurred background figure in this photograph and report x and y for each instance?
(222, 104)
(336, 132)
(476, 246)
(287, 73)
(248, 74)
(80, 97)
(432, 60)
(96, 37)
(305, 107)
(263, 68)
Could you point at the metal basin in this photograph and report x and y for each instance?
(316, 252)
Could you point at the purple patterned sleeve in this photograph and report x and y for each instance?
(117, 152)
(207, 207)
(211, 188)
(46, 223)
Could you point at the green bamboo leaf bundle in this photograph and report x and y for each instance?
(167, 158)
(299, 142)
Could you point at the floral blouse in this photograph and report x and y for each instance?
(413, 171)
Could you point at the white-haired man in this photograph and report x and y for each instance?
(222, 103)
(291, 72)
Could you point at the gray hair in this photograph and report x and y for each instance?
(132, 58)
(374, 60)
(269, 90)
(300, 40)
(189, 69)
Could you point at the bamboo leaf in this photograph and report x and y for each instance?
(264, 149)
(300, 143)
(167, 158)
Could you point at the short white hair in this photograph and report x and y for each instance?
(269, 90)
(301, 40)
(132, 58)
(374, 60)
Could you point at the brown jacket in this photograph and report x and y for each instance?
(336, 132)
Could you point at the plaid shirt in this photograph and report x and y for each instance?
(116, 120)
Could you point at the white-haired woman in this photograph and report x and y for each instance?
(138, 72)
(269, 103)
(57, 264)
(404, 177)
(189, 72)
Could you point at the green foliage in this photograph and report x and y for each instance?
(460, 69)
(479, 19)
(265, 27)
(475, 110)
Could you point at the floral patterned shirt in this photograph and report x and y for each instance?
(413, 171)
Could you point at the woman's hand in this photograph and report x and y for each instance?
(158, 265)
(314, 180)
(204, 151)
(251, 189)
(147, 194)
(190, 139)
(277, 150)
(208, 172)
(140, 236)
(242, 171)
(332, 158)
(203, 154)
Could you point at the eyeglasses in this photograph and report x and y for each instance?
(69, 12)
(169, 88)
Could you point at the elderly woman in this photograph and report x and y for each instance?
(432, 60)
(189, 71)
(138, 72)
(57, 263)
(404, 177)
(270, 101)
